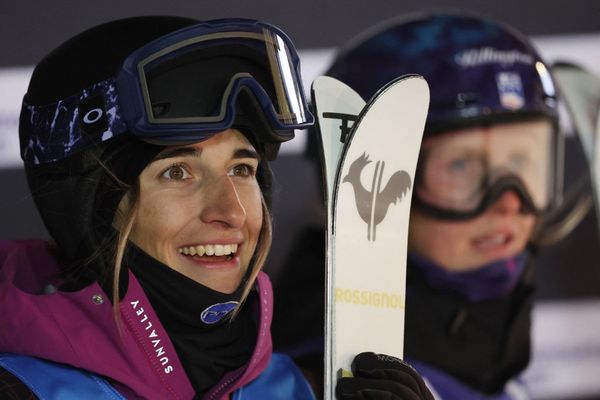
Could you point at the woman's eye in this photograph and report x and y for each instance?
(465, 166)
(462, 164)
(242, 170)
(518, 161)
(175, 173)
(459, 165)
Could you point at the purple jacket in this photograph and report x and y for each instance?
(79, 329)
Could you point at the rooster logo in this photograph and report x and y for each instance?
(372, 206)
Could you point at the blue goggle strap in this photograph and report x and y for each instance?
(55, 131)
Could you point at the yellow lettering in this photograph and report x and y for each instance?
(339, 295)
(394, 301)
(364, 295)
(369, 298)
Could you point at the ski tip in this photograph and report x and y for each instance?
(416, 82)
(335, 87)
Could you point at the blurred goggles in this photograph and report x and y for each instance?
(462, 173)
(178, 89)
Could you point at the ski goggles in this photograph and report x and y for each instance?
(181, 88)
(463, 172)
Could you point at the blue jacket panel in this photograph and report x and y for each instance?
(52, 381)
(446, 387)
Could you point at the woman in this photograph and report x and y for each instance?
(487, 179)
(146, 144)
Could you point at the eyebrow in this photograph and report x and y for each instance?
(246, 153)
(178, 152)
(194, 152)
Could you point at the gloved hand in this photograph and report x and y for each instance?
(382, 377)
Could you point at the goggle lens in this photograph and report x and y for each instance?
(206, 70)
(459, 169)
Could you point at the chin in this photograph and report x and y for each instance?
(227, 289)
(227, 286)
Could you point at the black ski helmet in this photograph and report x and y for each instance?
(77, 193)
(478, 71)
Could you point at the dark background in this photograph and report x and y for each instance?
(29, 28)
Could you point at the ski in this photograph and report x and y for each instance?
(581, 92)
(370, 153)
(336, 108)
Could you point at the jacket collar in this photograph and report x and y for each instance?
(79, 329)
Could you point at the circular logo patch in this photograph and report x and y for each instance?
(216, 312)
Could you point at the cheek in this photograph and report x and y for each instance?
(444, 243)
(156, 222)
(254, 213)
(528, 224)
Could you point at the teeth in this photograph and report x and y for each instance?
(493, 240)
(209, 250)
(497, 239)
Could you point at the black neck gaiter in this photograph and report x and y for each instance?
(482, 343)
(207, 343)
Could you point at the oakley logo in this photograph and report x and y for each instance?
(216, 312)
(93, 116)
(373, 205)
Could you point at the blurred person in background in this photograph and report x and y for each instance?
(486, 195)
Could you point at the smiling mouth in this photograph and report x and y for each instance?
(218, 250)
(493, 241)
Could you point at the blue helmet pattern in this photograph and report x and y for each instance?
(478, 71)
(54, 129)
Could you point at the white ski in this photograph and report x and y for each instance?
(368, 204)
(337, 107)
(581, 91)
(340, 107)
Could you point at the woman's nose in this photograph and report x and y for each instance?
(508, 202)
(223, 204)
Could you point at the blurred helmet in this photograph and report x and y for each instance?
(480, 73)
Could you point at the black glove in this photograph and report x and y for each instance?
(382, 377)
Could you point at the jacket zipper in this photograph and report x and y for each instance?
(225, 385)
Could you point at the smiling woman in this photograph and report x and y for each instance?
(148, 158)
(199, 210)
